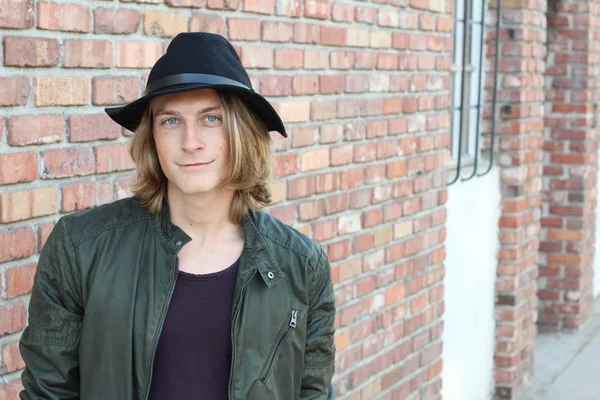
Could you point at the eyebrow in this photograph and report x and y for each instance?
(175, 112)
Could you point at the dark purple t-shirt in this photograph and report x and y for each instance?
(193, 357)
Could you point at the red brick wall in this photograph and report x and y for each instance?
(519, 154)
(570, 165)
(364, 89)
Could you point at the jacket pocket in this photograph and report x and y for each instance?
(291, 323)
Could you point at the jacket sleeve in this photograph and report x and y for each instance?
(50, 342)
(319, 354)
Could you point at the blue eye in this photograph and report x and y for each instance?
(170, 121)
(212, 119)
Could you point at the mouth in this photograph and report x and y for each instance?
(195, 165)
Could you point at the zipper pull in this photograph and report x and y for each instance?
(294, 318)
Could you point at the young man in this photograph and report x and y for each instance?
(185, 291)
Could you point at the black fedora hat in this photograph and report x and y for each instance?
(198, 60)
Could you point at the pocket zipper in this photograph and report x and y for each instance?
(294, 318)
(292, 324)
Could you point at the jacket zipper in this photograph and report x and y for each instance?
(238, 307)
(288, 328)
(160, 327)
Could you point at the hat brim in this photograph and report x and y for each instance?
(130, 115)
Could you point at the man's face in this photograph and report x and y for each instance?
(191, 142)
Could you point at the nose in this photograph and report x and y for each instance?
(192, 138)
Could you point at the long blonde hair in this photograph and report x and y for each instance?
(250, 160)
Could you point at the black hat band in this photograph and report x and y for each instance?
(179, 79)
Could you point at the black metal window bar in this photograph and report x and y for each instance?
(468, 83)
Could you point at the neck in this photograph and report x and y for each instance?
(204, 217)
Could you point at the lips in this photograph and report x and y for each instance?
(198, 164)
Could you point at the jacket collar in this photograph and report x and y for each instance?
(257, 253)
(255, 256)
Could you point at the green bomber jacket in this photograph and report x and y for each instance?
(102, 289)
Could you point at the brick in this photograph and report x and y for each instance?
(123, 188)
(17, 14)
(307, 33)
(331, 133)
(337, 203)
(341, 60)
(392, 105)
(88, 53)
(257, 57)
(325, 230)
(142, 1)
(289, 58)
(116, 21)
(302, 137)
(290, 8)
(383, 236)
(323, 110)
(30, 51)
(26, 130)
(16, 206)
(275, 85)
(327, 182)
(305, 84)
(351, 179)
(375, 173)
(11, 357)
(365, 60)
(367, 15)
(362, 243)
(62, 91)
(342, 12)
(274, 31)
(387, 62)
(356, 37)
(286, 164)
(84, 195)
(16, 244)
(165, 24)
(342, 155)
(349, 224)
(333, 36)
(186, 3)
(349, 108)
(294, 111)
(44, 231)
(114, 90)
(314, 159)
(365, 152)
(207, 23)
(339, 250)
(19, 280)
(67, 162)
(287, 214)
(18, 167)
(243, 29)
(301, 187)
(113, 158)
(311, 210)
(14, 91)
(260, 6)
(316, 59)
(356, 83)
(223, 4)
(380, 40)
(88, 127)
(332, 84)
(64, 17)
(317, 9)
(12, 318)
(138, 54)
